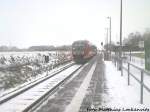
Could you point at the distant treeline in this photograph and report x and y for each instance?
(131, 43)
(37, 48)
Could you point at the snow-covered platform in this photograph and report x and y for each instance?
(118, 91)
(97, 87)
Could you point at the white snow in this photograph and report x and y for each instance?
(119, 94)
(136, 60)
(33, 81)
(76, 102)
(19, 103)
(24, 57)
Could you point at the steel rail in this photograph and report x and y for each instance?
(14, 93)
(56, 84)
(38, 102)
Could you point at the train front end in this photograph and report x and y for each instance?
(78, 51)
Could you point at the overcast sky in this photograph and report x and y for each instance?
(24, 23)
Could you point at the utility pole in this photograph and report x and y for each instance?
(107, 39)
(106, 44)
(120, 50)
(109, 34)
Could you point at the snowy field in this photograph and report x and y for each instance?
(7, 58)
(19, 67)
(119, 93)
(136, 60)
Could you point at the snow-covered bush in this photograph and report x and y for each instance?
(17, 69)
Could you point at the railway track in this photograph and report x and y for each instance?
(28, 97)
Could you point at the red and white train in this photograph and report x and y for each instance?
(83, 50)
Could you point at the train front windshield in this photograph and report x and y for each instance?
(78, 47)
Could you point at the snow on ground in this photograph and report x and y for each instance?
(27, 98)
(119, 94)
(8, 58)
(33, 80)
(74, 106)
(137, 73)
(136, 60)
(26, 66)
(139, 62)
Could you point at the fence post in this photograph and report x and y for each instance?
(128, 73)
(141, 99)
(115, 60)
(130, 55)
(47, 70)
(121, 67)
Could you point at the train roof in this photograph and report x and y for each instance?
(81, 41)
